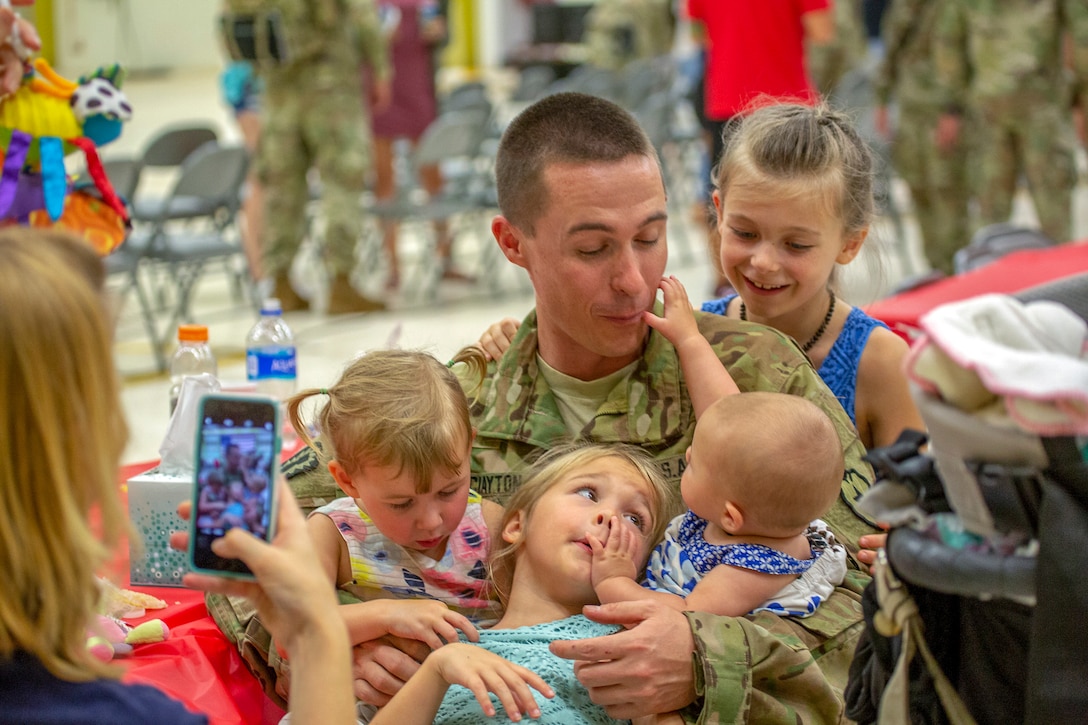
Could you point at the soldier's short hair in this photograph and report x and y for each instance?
(563, 127)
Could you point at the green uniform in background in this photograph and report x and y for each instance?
(620, 31)
(1002, 62)
(829, 62)
(314, 116)
(937, 178)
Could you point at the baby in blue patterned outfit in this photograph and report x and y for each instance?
(762, 468)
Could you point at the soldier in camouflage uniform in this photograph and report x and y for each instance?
(829, 62)
(1002, 63)
(762, 668)
(314, 117)
(620, 31)
(937, 177)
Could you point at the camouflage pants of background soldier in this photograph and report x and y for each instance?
(938, 182)
(1033, 136)
(312, 128)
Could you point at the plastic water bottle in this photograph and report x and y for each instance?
(270, 353)
(192, 357)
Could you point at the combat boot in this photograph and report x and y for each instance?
(290, 301)
(344, 299)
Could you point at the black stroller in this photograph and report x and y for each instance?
(984, 576)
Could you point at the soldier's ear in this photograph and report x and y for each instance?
(509, 239)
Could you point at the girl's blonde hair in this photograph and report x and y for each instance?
(393, 408)
(553, 467)
(62, 433)
(804, 148)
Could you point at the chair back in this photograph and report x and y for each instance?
(124, 176)
(654, 114)
(466, 96)
(533, 81)
(453, 135)
(173, 145)
(994, 241)
(214, 174)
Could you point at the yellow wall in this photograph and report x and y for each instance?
(41, 15)
(461, 50)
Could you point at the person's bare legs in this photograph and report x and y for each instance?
(385, 188)
(431, 179)
(249, 123)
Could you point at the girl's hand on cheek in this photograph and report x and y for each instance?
(485, 672)
(616, 556)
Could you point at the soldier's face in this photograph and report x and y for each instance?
(595, 257)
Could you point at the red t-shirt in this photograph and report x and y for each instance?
(756, 47)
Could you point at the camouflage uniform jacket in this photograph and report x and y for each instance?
(763, 668)
(326, 40)
(993, 50)
(906, 71)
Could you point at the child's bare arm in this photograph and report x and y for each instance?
(730, 591)
(427, 620)
(614, 571)
(706, 377)
(472, 667)
(331, 549)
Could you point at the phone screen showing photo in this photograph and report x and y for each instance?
(236, 460)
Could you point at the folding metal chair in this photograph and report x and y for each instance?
(455, 137)
(166, 152)
(208, 190)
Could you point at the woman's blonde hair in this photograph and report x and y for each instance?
(62, 433)
(553, 467)
(399, 408)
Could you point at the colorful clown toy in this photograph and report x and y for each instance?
(48, 118)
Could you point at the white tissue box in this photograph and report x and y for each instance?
(153, 500)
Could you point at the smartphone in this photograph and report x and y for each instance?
(237, 460)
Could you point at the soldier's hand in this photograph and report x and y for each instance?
(882, 122)
(642, 670)
(870, 544)
(948, 131)
(381, 669)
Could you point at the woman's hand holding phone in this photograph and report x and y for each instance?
(237, 459)
(295, 602)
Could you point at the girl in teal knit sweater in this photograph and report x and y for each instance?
(571, 496)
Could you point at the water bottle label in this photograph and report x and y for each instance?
(271, 362)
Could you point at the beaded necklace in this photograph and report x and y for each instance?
(819, 331)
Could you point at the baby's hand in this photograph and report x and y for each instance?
(498, 336)
(483, 672)
(428, 621)
(678, 324)
(616, 556)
